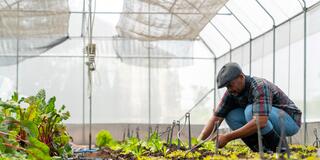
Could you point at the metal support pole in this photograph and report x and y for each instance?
(217, 137)
(250, 57)
(259, 139)
(215, 85)
(149, 131)
(224, 37)
(274, 40)
(157, 129)
(305, 72)
(124, 135)
(249, 33)
(178, 125)
(189, 129)
(283, 144)
(90, 75)
(168, 134)
(137, 133)
(149, 70)
(128, 134)
(83, 22)
(17, 49)
(171, 134)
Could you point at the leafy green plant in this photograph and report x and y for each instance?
(103, 138)
(34, 126)
(182, 155)
(209, 145)
(154, 143)
(135, 146)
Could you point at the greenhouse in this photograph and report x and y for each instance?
(159, 79)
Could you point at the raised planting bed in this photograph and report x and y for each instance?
(155, 148)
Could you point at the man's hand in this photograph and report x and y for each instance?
(223, 139)
(206, 131)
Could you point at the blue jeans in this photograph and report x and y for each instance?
(238, 117)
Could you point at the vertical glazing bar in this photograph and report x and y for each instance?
(289, 70)
(83, 75)
(250, 57)
(305, 72)
(83, 18)
(18, 45)
(215, 85)
(149, 67)
(274, 55)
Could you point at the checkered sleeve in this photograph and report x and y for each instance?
(222, 109)
(262, 98)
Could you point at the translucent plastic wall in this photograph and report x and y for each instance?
(131, 86)
(121, 90)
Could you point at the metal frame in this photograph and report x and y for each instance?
(18, 44)
(250, 36)
(274, 40)
(85, 12)
(304, 12)
(230, 46)
(305, 71)
(214, 73)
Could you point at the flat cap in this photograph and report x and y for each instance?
(227, 73)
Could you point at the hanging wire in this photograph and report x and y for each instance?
(214, 130)
(164, 132)
(179, 132)
(194, 106)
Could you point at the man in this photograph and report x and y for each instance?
(249, 100)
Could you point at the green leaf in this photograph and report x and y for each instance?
(30, 128)
(15, 97)
(62, 140)
(41, 94)
(35, 153)
(39, 145)
(51, 105)
(31, 112)
(2, 146)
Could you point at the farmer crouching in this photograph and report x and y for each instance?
(249, 100)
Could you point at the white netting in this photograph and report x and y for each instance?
(168, 19)
(32, 26)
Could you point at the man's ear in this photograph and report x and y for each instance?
(242, 76)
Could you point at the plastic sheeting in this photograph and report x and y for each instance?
(31, 27)
(179, 19)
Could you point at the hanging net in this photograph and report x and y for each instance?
(162, 28)
(30, 27)
(168, 19)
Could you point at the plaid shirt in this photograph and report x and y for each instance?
(262, 94)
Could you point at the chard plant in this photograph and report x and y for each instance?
(33, 127)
